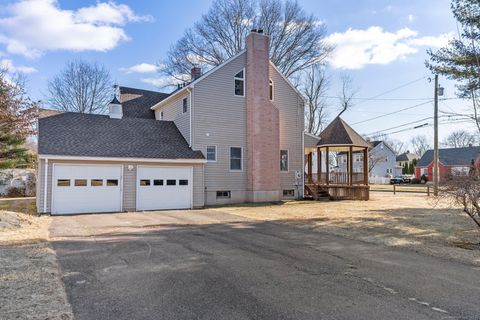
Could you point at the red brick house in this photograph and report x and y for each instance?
(451, 161)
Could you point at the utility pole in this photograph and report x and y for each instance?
(435, 139)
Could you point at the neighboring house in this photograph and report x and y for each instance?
(381, 161)
(407, 162)
(451, 161)
(406, 158)
(231, 135)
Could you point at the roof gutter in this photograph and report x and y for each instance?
(119, 159)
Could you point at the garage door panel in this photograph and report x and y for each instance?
(86, 189)
(160, 188)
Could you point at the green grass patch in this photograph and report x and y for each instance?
(27, 206)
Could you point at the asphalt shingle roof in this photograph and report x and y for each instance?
(406, 156)
(338, 132)
(136, 103)
(88, 135)
(451, 156)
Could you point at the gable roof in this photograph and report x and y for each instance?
(191, 84)
(407, 156)
(451, 156)
(339, 133)
(136, 103)
(88, 135)
(310, 140)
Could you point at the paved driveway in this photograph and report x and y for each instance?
(209, 265)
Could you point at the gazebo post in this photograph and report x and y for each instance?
(319, 165)
(327, 167)
(309, 168)
(350, 165)
(365, 166)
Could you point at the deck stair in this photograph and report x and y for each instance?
(317, 193)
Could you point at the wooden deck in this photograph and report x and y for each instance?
(338, 191)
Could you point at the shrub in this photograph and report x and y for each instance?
(424, 179)
(14, 192)
(415, 181)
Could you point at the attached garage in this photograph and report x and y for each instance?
(94, 163)
(86, 188)
(161, 188)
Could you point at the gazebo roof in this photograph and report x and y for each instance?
(339, 134)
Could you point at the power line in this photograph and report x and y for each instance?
(394, 112)
(390, 99)
(399, 126)
(394, 89)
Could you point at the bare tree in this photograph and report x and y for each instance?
(314, 86)
(465, 191)
(420, 144)
(296, 38)
(459, 139)
(347, 94)
(373, 159)
(81, 87)
(397, 146)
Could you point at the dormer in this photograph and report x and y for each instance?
(115, 109)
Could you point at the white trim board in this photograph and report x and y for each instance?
(155, 160)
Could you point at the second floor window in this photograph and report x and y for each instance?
(185, 105)
(211, 153)
(239, 80)
(235, 159)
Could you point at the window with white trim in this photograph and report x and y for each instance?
(239, 81)
(284, 160)
(224, 194)
(235, 158)
(185, 105)
(212, 153)
(161, 115)
(270, 89)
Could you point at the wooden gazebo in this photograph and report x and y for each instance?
(346, 184)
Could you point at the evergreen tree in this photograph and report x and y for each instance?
(460, 59)
(18, 115)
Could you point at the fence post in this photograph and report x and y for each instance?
(394, 191)
(428, 191)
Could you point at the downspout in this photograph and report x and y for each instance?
(191, 104)
(45, 187)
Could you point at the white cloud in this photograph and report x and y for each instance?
(8, 64)
(142, 68)
(161, 82)
(410, 18)
(430, 41)
(32, 27)
(356, 48)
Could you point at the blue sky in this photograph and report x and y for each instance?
(380, 44)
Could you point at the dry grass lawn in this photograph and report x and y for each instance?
(30, 285)
(403, 220)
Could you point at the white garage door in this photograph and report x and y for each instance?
(86, 188)
(164, 188)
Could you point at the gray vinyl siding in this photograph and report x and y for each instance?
(291, 112)
(129, 188)
(219, 118)
(41, 186)
(173, 111)
(129, 182)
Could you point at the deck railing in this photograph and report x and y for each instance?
(336, 178)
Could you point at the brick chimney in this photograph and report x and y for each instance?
(263, 133)
(195, 73)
